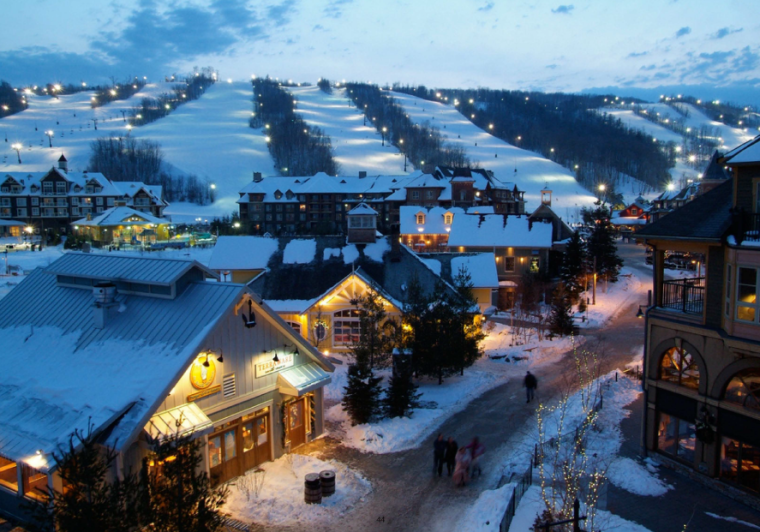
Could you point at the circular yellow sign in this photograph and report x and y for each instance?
(201, 377)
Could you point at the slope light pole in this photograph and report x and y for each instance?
(384, 130)
(50, 134)
(17, 146)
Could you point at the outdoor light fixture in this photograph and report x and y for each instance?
(250, 319)
(205, 362)
(640, 313)
(275, 358)
(220, 358)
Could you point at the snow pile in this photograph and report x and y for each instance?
(350, 254)
(631, 476)
(281, 499)
(299, 251)
(486, 512)
(525, 349)
(329, 253)
(376, 250)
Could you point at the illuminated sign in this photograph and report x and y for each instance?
(204, 393)
(270, 366)
(201, 376)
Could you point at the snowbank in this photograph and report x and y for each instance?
(281, 499)
(631, 476)
(486, 512)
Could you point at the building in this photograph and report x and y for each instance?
(139, 344)
(121, 226)
(481, 268)
(702, 351)
(54, 199)
(632, 218)
(12, 228)
(242, 258)
(319, 204)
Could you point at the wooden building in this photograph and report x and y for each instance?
(139, 344)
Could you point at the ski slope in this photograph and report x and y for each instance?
(208, 137)
(533, 172)
(357, 147)
(731, 137)
(634, 121)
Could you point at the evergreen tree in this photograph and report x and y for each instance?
(572, 270)
(601, 244)
(177, 494)
(361, 399)
(561, 319)
(467, 333)
(374, 343)
(401, 397)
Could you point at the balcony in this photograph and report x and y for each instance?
(684, 295)
(746, 226)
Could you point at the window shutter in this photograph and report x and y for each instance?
(228, 385)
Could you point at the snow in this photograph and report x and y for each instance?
(434, 219)
(533, 171)
(242, 252)
(634, 121)
(733, 520)
(610, 299)
(433, 264)
(350, 254)
(328, 253)
(376, 250)
(487, 511)
(492, 231)
(281, 499)
(299, 251)
(631, 476)
(731, 137)
(481, 267)
(357, 147)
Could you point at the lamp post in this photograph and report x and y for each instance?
(401, 141)
(50, 134)
(129, 129)
(383, 131)
(17, 146)
(365, 114)
(602, 195)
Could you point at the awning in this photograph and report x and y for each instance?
(182, 419)
(302, 379)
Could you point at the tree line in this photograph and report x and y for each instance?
(11, 101)
(437, 336)
(131, 159)
(422, 143)
(297, 148)
(562, 127)
(193, 87)
(117, 91)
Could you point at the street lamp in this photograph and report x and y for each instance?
(401, 141)
(50, 136)
(17, 146)
(385, 129)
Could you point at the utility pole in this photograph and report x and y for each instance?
(594, 292)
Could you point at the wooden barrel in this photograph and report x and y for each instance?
(312, 489)
(327, 479)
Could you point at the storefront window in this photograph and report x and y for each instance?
(262, 431)
(215, 451)
(678, 366)
(744, 389)
(247, 437)
(346, 327)
(8, 474)
(230, 450)
(740, 463)
(676, 437)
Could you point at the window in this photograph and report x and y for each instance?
(421, 218)
(746, 294)
(47, 188)
(99, 201)
(415, 194)
(740, 463)
(676, 437)
(99, 210)
(534, 265)
(462, 195)
(35, 483)
(21, 212)
(35, 201)
(35, 211)
(109, 202)
(634, 211)
(744, 389)
(429, 194)
(215, 451)
(278, 207)
(679, 367)
(727, 309)
(296, 326)
(346, 327)
(8, 474)
(60, 188)
(448, 218)
(20, 202)
(75, 201)
(509, 264)
(75, 211)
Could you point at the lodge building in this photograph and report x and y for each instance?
(140, 345)
(702, 351)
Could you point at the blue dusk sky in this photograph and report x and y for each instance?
(640, 47)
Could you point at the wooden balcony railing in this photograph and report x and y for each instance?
(684, 295)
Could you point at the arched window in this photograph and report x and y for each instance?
(346, 327)
(744, 389)
(679, 367)
(421, 218)
(448, 218)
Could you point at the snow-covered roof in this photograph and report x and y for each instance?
(11, 223)
(242, 252)
(426, 181)
(749, 152)
(434, 219)
(121, 216)
(93, 376)
(299, 251)
(497, 230)
(481, 267)
(362, 208)
(628, 220)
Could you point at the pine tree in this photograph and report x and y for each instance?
(561, 319)
(573, 267)
(401, 397)
(361, 399)
(601, 243)
(466, 334)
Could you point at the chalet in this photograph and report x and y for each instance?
(241, 258)
(426, 230)
(139, 344)
(481, 268)
(12, 228)
(702, 352)
(54, 199)
(561, 232)
(632, 217)
(122, 225)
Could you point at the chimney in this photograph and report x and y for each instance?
(257, 177)
(104, 295)
(362, 174)
(63, 164)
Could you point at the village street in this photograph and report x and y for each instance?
(407, 497)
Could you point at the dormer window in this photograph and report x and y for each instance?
(448, 218)
(277, 194)
(420, 218)
(60, 188)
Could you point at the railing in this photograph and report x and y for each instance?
(684, 295)
(525, 482)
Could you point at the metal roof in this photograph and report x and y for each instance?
(123, 268)
(180, 420)
(302, 379)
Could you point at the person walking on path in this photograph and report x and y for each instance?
(531, 384)
(463, 463)
(477, 449)
(451, 455)
(439, 454)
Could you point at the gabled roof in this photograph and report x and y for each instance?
(706, 218)
(498, 230)
(120, 216)
(124, 268)
(362, 208)
(434, 219)
(242, 252)
(715, 170)
(747, 153)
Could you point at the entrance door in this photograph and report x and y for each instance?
(256, 441)
(296, 424)
(231, 463)
(215, 458)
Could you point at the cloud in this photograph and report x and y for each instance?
(40, 65)
(281, 13)
(637, 54)
(487, 7)
(564, 9)
(724, 32)
(683, 31)
(335, 8)
(552, 66)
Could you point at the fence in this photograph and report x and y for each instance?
(526, 480)
(684, 295)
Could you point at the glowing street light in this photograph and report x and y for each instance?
(129, 129)
(383, 131)
(17, 146)
(213, 186)
(50, 136)
(401, 141)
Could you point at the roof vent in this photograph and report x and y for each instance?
(362, 173)
(104, 295)
(257, 177)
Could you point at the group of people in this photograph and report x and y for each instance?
(462, 462)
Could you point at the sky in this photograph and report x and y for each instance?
(696, 47)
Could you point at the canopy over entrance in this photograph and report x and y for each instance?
(302, 379)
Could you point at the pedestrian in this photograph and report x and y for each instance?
(451, 454)
(439, 454)
(462, 464)
(530, 385)
(477, 449)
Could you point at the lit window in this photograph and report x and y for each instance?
(676, 437)
(8, 474)
(746, 295)
(421, 218)
(744, 389)
(346, 327)
(509, 264)
(740, 463)
(448, 218)
(679, 367)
